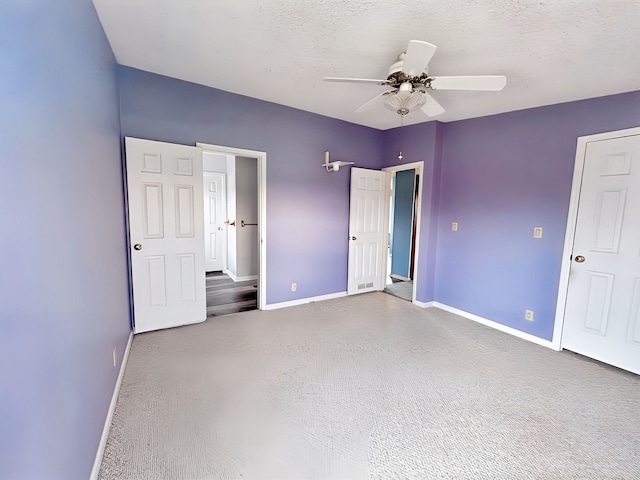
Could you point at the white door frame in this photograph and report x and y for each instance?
(572, 218)
(419, 167)
(262, 210)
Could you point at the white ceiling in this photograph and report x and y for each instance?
(551, 51)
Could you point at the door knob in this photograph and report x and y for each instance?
(137, 246)
(220, 228)
(580, 259)
(353, 238)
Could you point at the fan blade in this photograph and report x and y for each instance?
(371, 102)
(355, 80)
(431, 108)
(417, 57)
(491, 83)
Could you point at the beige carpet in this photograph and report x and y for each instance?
(366, 387)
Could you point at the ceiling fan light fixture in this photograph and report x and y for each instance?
(403, 105)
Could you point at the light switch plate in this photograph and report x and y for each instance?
(537, 232)
(454, 226)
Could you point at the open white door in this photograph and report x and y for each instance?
(367, 230)
(215, 213)
(166, 234)
(602, 315)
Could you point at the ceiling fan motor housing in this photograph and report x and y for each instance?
(396, 67)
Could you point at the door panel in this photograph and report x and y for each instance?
(598, 298)
(152, 210)
(609, 220)
(184, 211)
(601, 315)
(164, 184)
(367, 230)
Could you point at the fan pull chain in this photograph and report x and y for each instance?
(401, 125)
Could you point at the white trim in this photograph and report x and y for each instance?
(572, 217)
(399, 277)
(243, 152)
(262, 210)
(302, 301)
(112, 407)
(419, 167)
(384, 259)
(241, 279)
(496, 325)
(424, 304)
(404, 166)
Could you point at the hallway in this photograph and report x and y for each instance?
(224, 296)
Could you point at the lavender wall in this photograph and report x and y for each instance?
(498, 177)
(502, 176)
(421, 142)
(63, 276)
(307, 208)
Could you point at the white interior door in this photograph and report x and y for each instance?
(602, 315)
(215, 214)
(166, 234)
(367, 230)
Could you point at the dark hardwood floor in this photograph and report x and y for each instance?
(224, 296)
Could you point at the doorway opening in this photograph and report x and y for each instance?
(404, 211)
(234, 225)
(226, 296)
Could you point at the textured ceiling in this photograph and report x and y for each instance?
(279, 50)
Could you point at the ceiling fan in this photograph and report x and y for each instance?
(409, 81)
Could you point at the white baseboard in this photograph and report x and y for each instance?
(241, 279)
(496, 325)
(424, 304)
(302, 301)
(112, 406)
